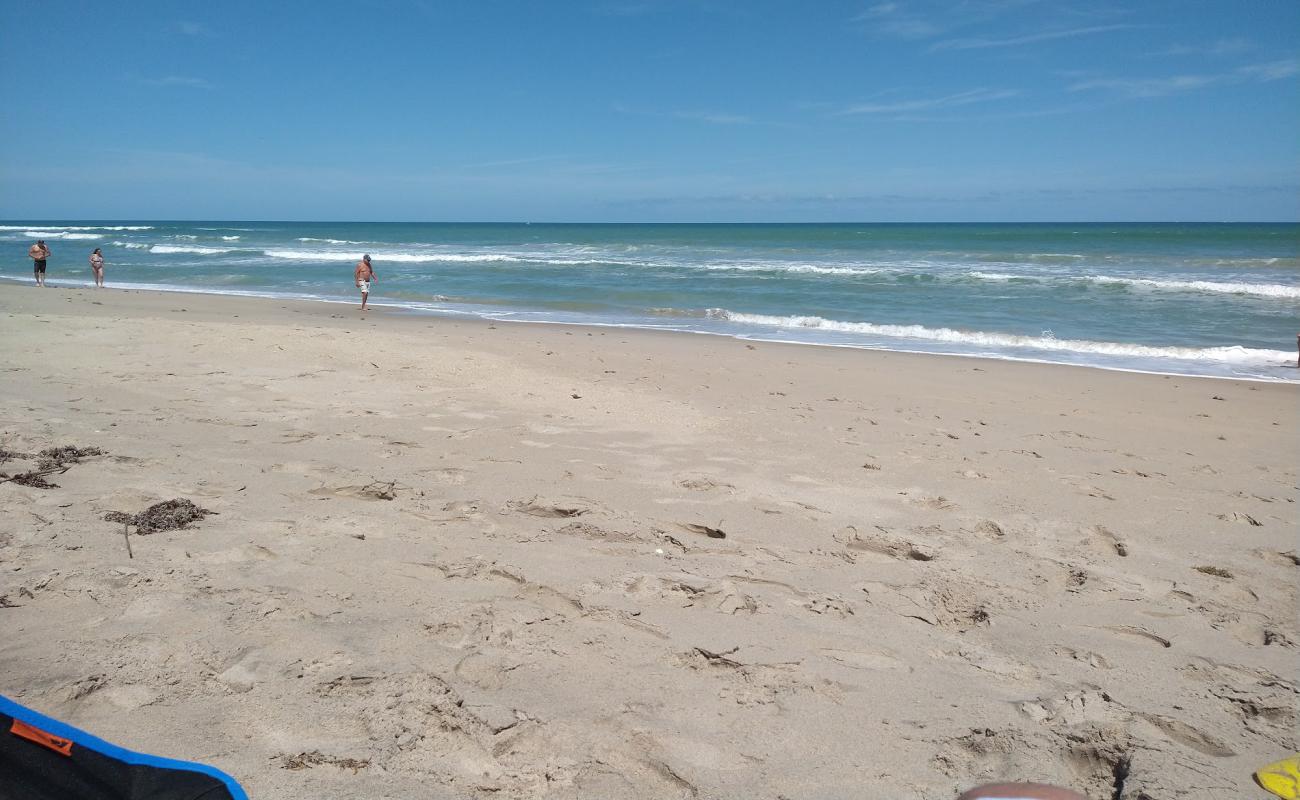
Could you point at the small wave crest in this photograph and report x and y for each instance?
(378, 257)
(1278, 290)
(61, 235)
(329, 241)
(1233, 354)
(78, 227)
(1025, 258)
(682, 313)
(796, 269)
(1218, 287)
(200, 250)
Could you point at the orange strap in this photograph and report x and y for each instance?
(56, 743)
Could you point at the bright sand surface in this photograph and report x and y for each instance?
(935, 571)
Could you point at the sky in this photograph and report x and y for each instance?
(651, 110)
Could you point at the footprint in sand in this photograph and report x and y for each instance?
(988, 529)
(1135, 632)
(946, 604)
(1286, 559)
(484, 671)
(992, 662)
(452, 476)
(888, 548)
(702, 483)
(1237, 516)
(1186, 735)
(583, 530)
(693, 591)
(538, 507)
(937, 502)
(371, 491)
(1102, 538)
(866, 659)
(1094, 660)
(297, 436)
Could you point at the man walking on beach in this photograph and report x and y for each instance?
(38, 253)
(364, 275)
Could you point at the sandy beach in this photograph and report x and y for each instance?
(454, 559)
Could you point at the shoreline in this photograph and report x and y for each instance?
(460, 559)
(455, 314)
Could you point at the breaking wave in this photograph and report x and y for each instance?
(406, 258)
(61, 235)
(1218, 287)
(1234, 354)
(200, 250)
(78, 227)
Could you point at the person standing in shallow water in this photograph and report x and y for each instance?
(97, 267)
(38, 253)
(364, 275)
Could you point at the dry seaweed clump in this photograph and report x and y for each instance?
(50, 461)
(169, 515)
(316, 757)
(60, 457)
(35, 480)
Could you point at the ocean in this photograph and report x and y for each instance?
(1196, 299)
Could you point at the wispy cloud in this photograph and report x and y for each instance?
(1271, 71)
(1148, 87)
(1222, 47)
(894, 21)
(190, 28)
(1054, 111)
(1178, 84)
(966, 98)
(180, 81)
(1032, 38)
(714, 117)
(513, 162)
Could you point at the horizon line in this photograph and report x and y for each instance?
(52, 223)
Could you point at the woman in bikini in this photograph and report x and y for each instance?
(97, 267)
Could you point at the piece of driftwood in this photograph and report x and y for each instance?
(712, 533)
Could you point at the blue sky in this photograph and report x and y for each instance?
(651, 110)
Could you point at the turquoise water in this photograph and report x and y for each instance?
(1203, 299)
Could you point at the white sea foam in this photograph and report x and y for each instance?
(229, 238)
(61, 235)
(808, 269)
(79, 227)
(132, 245)
(997, 276)
(1234, 354)
(1279, 290)
(200, 250)
(329, 241)
(378, 257)
(1218, 287)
